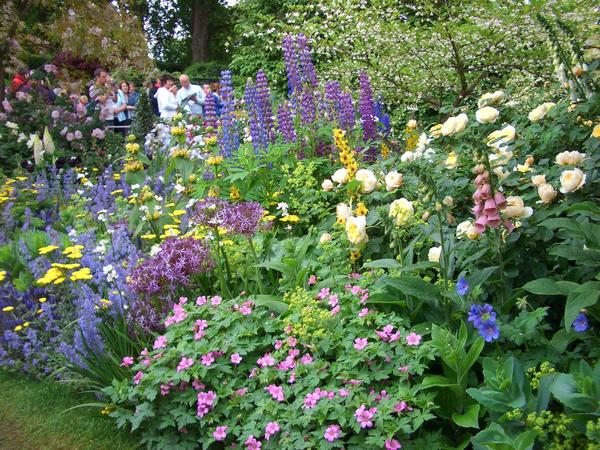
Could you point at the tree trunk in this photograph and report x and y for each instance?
(199, 31)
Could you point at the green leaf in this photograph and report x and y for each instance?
(543, 286)
(415, 286)
(383, 263)
(470, 419)
(272, 302)
(472, 355)
(585, 295)
(436, 381)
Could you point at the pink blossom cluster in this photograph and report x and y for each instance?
(383, 394)
(289, 362)
(252, 443)
(271, 429)
(387, 334)
(323, 293)
(487, 206)
(413, 339)
(199, 327)
(205, 402)
(265, 361)
(236, 358)
(179, 313)
(215, 300)
(160, 342)
(184, 364)
(365, 416)
(245, 308)
(208, 359)
(312, 398)
(276, 392)
(357, 291)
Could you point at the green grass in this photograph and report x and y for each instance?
(33, 417)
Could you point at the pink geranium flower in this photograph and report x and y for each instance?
(160, 342)
(364, 416)
(252, 443)
(332, 433)
(220, 433)
(236, 358)
(127, 361)
(363, 312)
(271, 429)
(138, 377)
(207, 359)
(360, 343)
(413, 339)
(276, 392)
(184, 364)
(392, 444)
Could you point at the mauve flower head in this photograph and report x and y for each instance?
(413, 339)
(220, 433)
(210, 211)
(360, 343)
(243, 217)
(364, 416)
(332, 432)
(252, 443)
(392, 444)
(462, 287)
(271, 429)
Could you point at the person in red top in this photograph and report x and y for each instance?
(20, 80)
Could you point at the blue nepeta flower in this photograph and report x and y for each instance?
(580, 323)
(462, 287)
(483, 318)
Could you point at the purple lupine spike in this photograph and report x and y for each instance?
(308, 110)
(229, 137)
(290, 58)
(333, 94)
(265, 107)
(285, 123)
(347, 112)
(366, 108)
(210, 112)
(254, 122)
(383, 118)
(309, 74)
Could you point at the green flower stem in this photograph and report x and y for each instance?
(261, 288)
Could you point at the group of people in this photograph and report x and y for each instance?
(116, 103)
(166, 97)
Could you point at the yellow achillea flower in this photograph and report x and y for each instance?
(2, 275)
(148, 236)
(47, 249)
(73, 252)
(385, 151)
(290, 218)
(53, 275)
(117, 191)
(178, 212)
(211, 140)
(177, 131)
(81, 274)
(133, 166)
(170, 226)
(66, 266)
(42, 299)
(268, 218)
(117, 176)
(182, 153)
(18, 328)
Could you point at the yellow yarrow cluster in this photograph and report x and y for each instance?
(73, 252)
(54, 275)
(308, 320)
(290, 218)
(47, 249)
(346, 155)
(412, 138)
(133, 166)
(104, 303)
(7, 191)
(2, 275)
(81, 274)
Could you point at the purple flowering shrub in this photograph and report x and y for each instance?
(319, 370)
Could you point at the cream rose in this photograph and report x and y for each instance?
(393, 180)
(452, 160)
(462, 228)
(412, 124)
(327, 185)
(448, 201)
(436, 130)
(340, 176)
(356, 230)
(573, 158)
(461, 122)
(516, 209)
(490, 98)
(546, 192)
(487, 114)
(325, 237)
(503, 137)
(434, 254)
(538, 180)
(401, 210)
(538, 113)
(571, 180)
(342, 212)
(367, 179)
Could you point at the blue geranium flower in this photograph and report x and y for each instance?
(462, 287)
(489, 330)
(580, 323)
(481, 313)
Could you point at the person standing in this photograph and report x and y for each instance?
(154, 86)
(190, 96)
(102, 95)
(122, 114)
(132, 100)
(165, 96)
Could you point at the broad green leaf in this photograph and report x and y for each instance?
(585, 295)
(470, 419)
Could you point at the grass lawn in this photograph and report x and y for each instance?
(32, 418)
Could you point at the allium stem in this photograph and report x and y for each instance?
(261, 288)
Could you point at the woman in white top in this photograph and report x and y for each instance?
(165, 96)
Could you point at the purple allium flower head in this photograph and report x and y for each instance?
(229, 137)
(243, 217)
(209, 211)
(580, 324)
(172, 267)
(285, 123)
